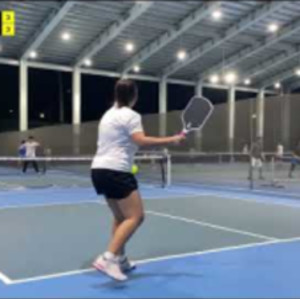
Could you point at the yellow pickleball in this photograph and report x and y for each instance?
(134, 169)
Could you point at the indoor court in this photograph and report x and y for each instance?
(222, 207)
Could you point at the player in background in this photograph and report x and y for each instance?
(31, 147)
(295, 160)
(257, 157)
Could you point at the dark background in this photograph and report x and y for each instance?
(50, 97)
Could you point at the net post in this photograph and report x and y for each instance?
(169, 168)
(272, 170)
(251, 179)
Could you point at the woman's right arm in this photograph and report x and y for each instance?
(142, 140)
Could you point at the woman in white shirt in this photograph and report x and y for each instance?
(120, 133)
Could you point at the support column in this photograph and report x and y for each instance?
(163, 107)
(23, 96)
(286, 122)
(76, 120)
(231, 118)
(76, 140)
(260, 113)
(61, 99)
(198, 134)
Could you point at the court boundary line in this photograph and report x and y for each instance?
(233, 188)
(190, 194)
(241, 197)
(80, 202)
(262, 201)
(211, 225)
(5, 279)
(155, 259)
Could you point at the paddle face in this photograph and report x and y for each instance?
(196, 114)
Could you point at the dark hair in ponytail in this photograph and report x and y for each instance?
(126, 92)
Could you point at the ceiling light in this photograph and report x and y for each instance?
(217, 14)
(33, 54)
(42, 115)
(297, 72)
(273, 27)
(66, 36)
(277, 85)
(136, 69)
(214, 79)
(230, 78)
(87, 62)
(181, 55)
(247, 81)
(129, 47)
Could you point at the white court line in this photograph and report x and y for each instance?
(228, 195)
(158, 259)
(217, 250)
(207, 224)
(214, 226)
(10, 185)
(255, 201)
(82, 202)
(223, 188)
(241, 197)
(41, 205)
(5, 279)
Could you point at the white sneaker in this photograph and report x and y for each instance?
(126, 265)
(110, 268)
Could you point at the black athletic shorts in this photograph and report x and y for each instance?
(113, 184)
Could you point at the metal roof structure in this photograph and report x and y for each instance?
(239, 41)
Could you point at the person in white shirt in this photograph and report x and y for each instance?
(245, 150)
(279, 151)
(120, 133)
(30, 154)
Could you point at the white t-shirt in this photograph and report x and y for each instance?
(280, 150)
(115, 148)
(31, 149)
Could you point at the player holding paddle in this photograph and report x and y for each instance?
(119, 136)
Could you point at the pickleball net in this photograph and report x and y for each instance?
(66, 172)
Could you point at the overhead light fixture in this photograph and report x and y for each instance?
(42, 115)
(277, 85)
(230, 78)
(136, 69)
(181, 55)
(33, 54)
(217, 14)
(247, 81)
(129, 47)
(66, 36)
(273, 27)
(214, 79)
(297, 72)
(87, 62)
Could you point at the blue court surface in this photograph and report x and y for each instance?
(197, 241)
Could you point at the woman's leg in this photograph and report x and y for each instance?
(131, 208)
(118, 219)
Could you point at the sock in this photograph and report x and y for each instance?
(110, 256)
(122, 258)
